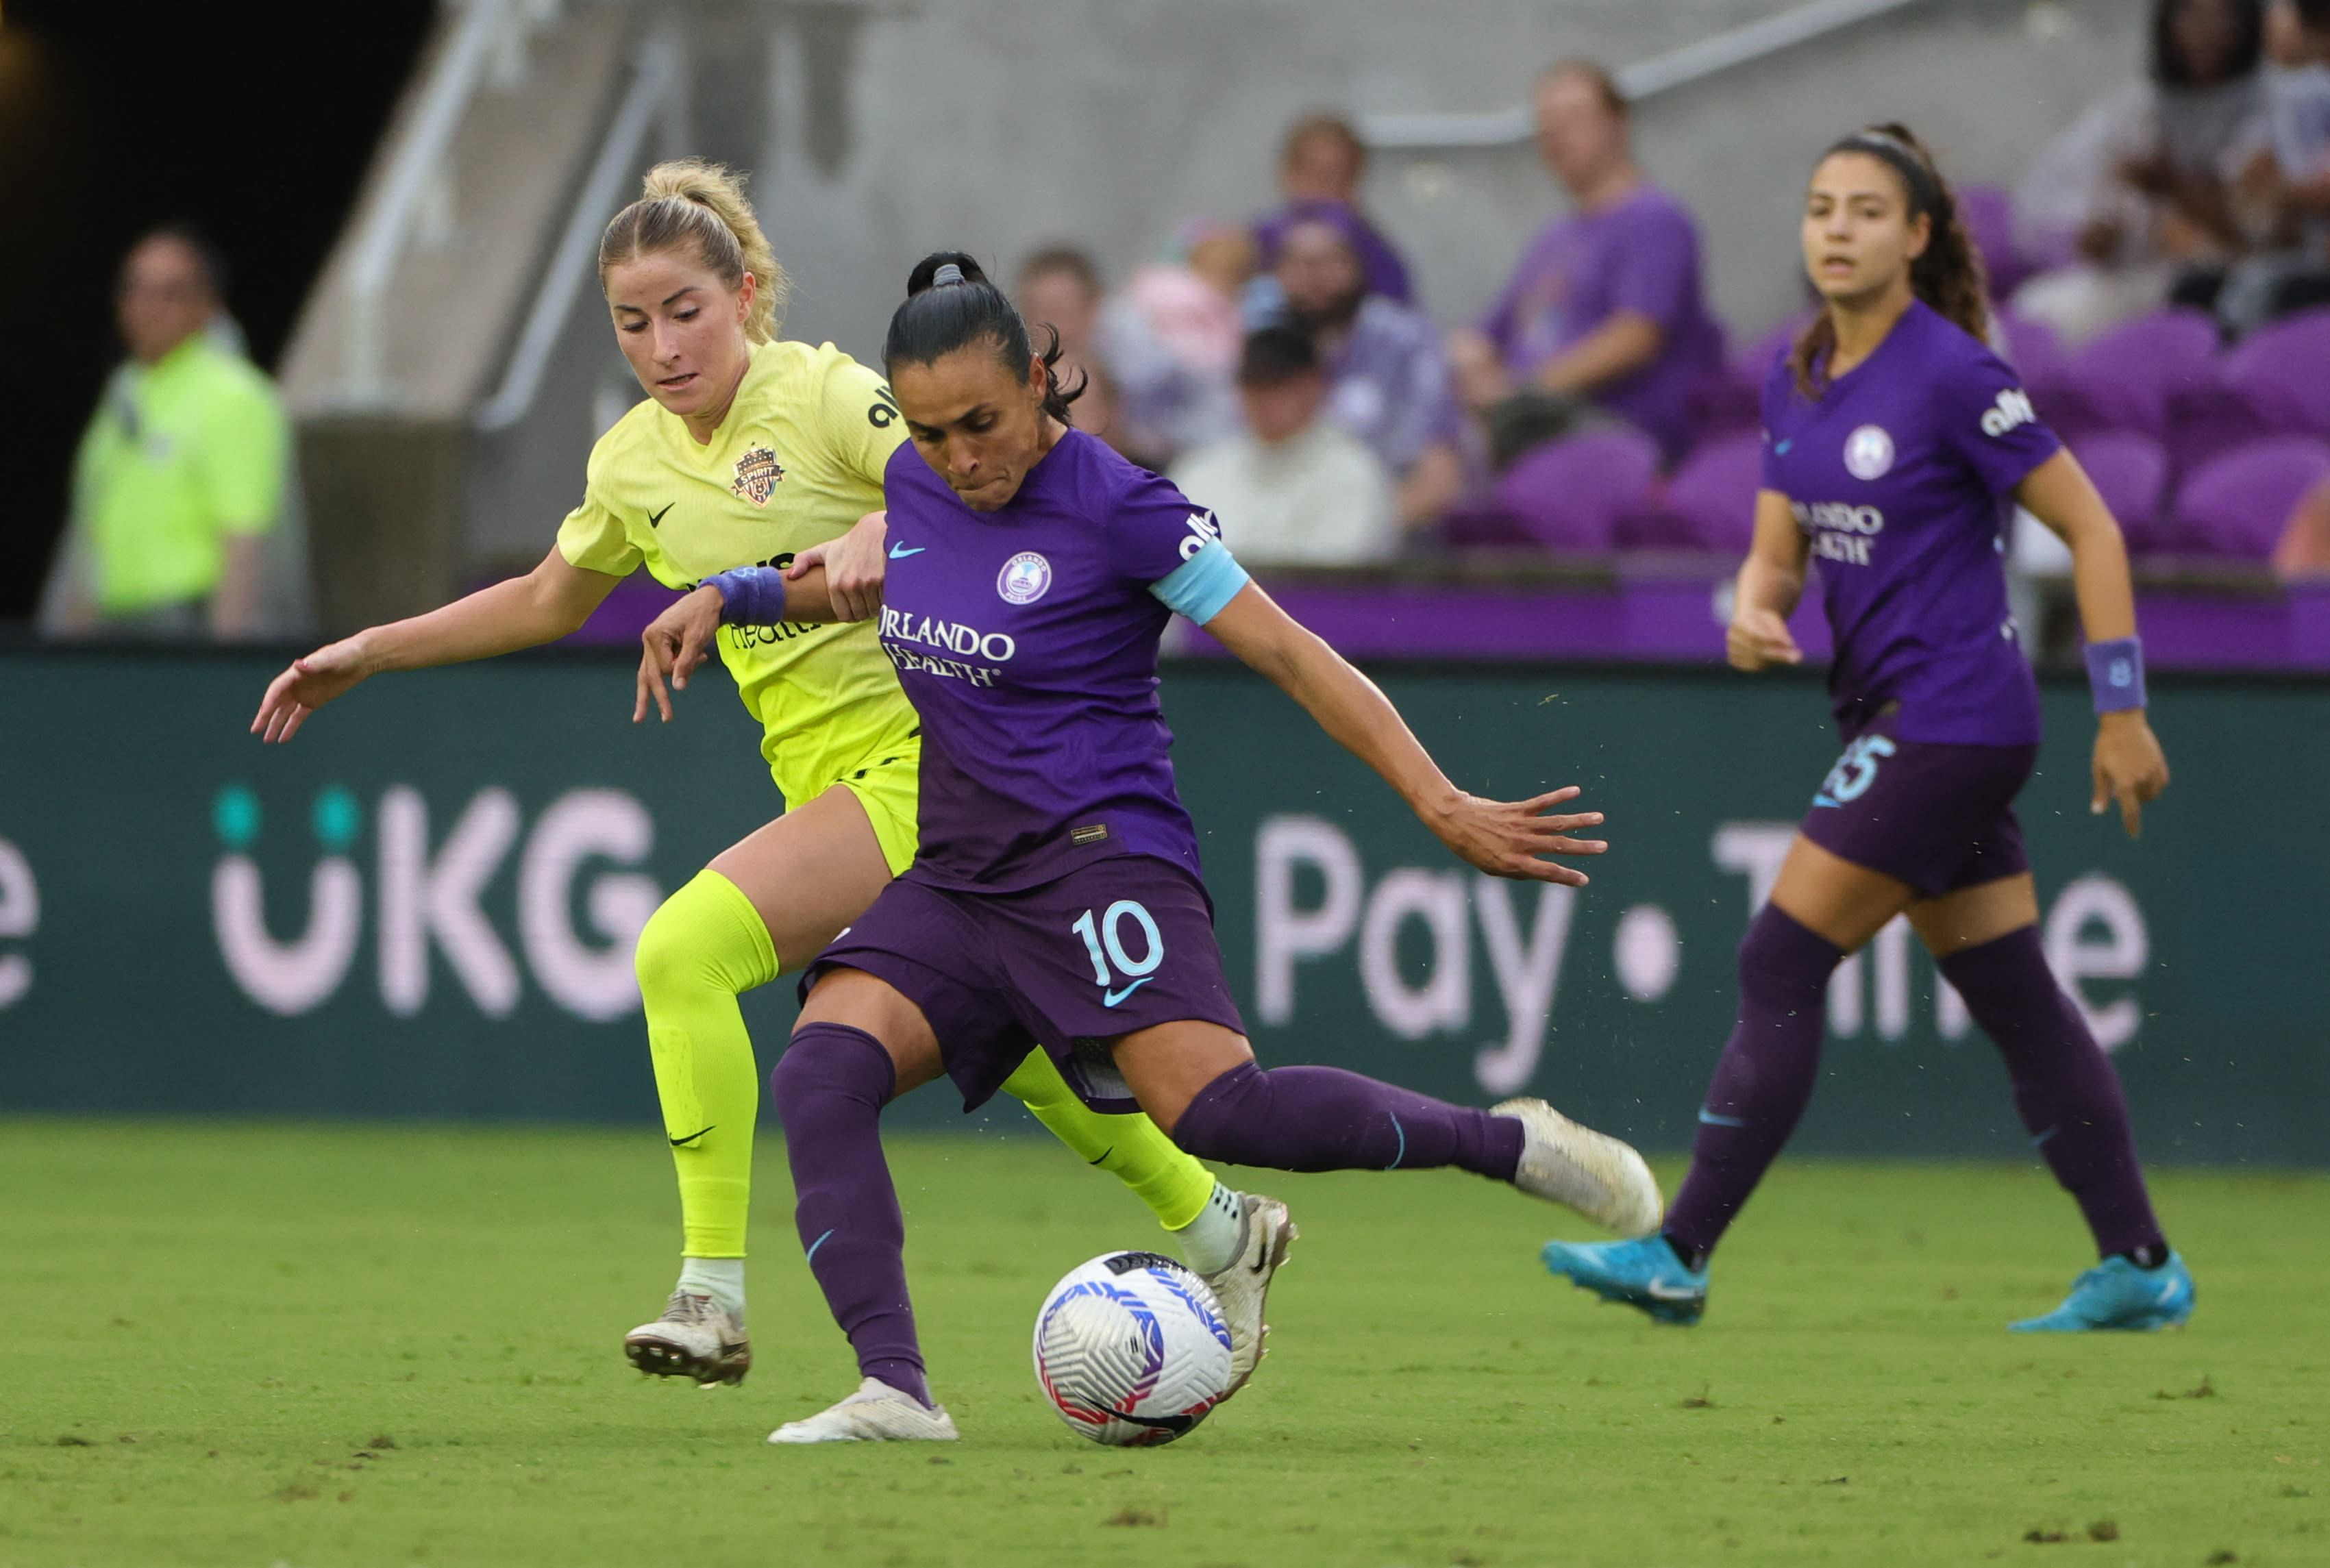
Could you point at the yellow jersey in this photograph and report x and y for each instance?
(796, 463)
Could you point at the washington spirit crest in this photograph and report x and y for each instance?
(757, 473)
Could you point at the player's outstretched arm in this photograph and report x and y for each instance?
(1502, 838)
(2129, 765)
(548, 603)
(1771, 579)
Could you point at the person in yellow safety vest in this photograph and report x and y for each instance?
(181, 474)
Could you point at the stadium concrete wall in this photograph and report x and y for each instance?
(423, 906)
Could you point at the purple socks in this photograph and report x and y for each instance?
(1764, 1081)
(829, 1087)
(2065, 1089)
(2064, 1086)
(1325, 1119)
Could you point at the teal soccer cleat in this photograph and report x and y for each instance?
(1644, 1272)
(2117, 1294)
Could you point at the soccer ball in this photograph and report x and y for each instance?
(1132, 1350)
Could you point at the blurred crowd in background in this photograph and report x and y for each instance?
(2161, 276)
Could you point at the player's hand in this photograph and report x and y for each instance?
(1759, 639)
(308, 684)
(1506, 838)
(854, 567)
(673, 646)
(2130, 768)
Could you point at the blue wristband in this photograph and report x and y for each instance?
(750, 595)
(2116, 671)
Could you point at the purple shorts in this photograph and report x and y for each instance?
(1113, 947)
(1939, 818)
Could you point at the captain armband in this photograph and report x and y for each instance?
(1201, 586)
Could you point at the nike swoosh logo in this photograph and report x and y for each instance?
(899, 551)
(1825, 800)
(692, 1136)
(1104, 1154)
(1782, 447)
(655, 519)
(1669, 1293)
(1111, 998)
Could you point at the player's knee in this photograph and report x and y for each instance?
(1781, 959)
(823, 1060)
(665, 959)
(706, 935)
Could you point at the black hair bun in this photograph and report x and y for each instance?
(925, 269)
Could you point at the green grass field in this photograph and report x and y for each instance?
(318, 1346)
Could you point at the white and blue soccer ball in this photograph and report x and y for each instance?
(1132, 1350)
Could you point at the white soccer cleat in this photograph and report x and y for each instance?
(1265, 1232)
(876, 1413)
(696, 1338)
(1599, 1175)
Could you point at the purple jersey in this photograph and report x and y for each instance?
(1898, 474)
(1641, 255)
(1027, 640)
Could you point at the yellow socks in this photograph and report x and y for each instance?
(707, 944)
(1172, 1184)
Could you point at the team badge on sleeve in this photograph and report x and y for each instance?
(1024, 578)
(757, 473)
(1869, 452)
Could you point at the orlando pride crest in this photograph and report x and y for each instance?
(757, 473)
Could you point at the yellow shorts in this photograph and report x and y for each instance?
(890, 788)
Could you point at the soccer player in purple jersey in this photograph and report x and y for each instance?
(1893, 440)
(1055, 899)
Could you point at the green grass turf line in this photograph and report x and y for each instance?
(214, 1335)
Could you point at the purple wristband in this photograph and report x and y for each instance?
(750, 595)
(2116, 671)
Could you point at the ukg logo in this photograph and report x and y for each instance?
(286, 977)
(427, 903)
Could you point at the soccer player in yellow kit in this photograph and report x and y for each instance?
(748, 451)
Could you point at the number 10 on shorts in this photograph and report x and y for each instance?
(1104, 945)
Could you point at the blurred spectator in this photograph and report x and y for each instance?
(1059, 287)
(181, 474)
(1170, 338)
(1293, 489)
(2292, 174)
(1387, 381)
(1321, 166)
(2304, 553)
(2134, 200)
(1605, 304)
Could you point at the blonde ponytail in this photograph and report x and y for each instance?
(689, 202)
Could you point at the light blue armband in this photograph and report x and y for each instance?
(1201, 586)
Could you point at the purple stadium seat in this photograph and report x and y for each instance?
(2130, 471)
(2277, 381)
(1709, 503)
(1570, 494)
(2033, 348)
(1989, 214)
(2125, 379)
(2284, 367)
(2237, 503)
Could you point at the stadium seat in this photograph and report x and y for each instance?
(2032, 347)
(1570, 495)
(2238, 503)
(1709, 503)
(2125, 379)
(2130, 471)
(1988, 211)
(2277, 381)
